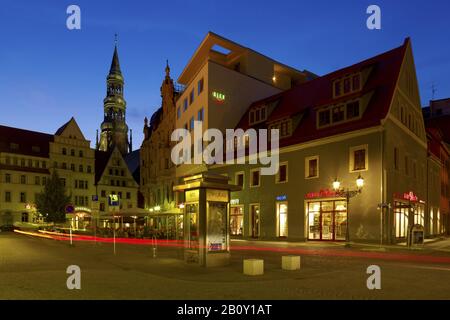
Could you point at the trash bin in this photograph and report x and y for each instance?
(417, 235)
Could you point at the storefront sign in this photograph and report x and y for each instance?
(192, 195)
(217, 195)
(321, 194)
(234, 202)
(282, 198)
(410, 196)
(219, 97)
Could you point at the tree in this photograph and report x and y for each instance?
(52, 201)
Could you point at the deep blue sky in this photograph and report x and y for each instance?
(48, 73)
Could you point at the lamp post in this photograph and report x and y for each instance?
(348, 194)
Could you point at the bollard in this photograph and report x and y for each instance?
(290, 263)
(253, 267)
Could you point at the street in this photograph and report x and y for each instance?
(35, 268)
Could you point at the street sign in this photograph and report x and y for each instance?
(70, 208)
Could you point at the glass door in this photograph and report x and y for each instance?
(327, 225)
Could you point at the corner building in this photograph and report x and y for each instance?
(361, 121)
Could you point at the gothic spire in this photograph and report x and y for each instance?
(115, 65)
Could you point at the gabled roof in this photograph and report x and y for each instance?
(101, 161)
(62, 128)
(305, 98)
(26, 140)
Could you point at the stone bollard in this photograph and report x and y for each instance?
(290, 263)
(253, 267)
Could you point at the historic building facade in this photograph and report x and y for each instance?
(158, 173)
(363, 121)
(26, 160)
(114, 129)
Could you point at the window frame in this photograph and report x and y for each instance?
(251, 178)
(277, 176)
(352, 151)
(236, 178)
(307, 166)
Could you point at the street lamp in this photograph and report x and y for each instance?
(348, 194)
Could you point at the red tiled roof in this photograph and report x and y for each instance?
(25, 140)
(306, 97)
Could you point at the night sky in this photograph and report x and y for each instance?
(49, 73)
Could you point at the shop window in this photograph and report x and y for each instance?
(282, 175)
(237, 221)
(312, 167)
(359, 158)
(255, 178)
(240, 179)
(401, 211)
(254, 220)
(282, 219)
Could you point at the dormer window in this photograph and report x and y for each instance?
(257, 115)
(338, 113)
(285, 127)
(347, 85)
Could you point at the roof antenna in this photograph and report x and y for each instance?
(115, 39)
(433, 91)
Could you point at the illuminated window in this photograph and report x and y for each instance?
(237, 221)
(312, 167)
(282, 219)
(255, 178)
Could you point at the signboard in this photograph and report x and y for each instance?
(217, 195)
(192, 195)
(95, 198)
(113, 200)
(219, 97)
(410, 196)
(282, 198)
(234, 202)
(70, 208)
(321, 194)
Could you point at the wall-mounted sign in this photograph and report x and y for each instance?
(113, 200)
(70, 208)
(282, 198)
(234, 202)
(192, 195)
(219, 97)
(217, 195)
(410, 196)
(95, 198)
(321, 194)
(82, 209)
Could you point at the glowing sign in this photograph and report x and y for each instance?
(282, 198)
(220, 97)
(234, 202)
(407, 196)
(321, 194)
(113, 200)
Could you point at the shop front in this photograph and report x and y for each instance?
(326, 216)
(236, 218)
(408, 210)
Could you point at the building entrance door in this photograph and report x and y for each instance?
(327, 226)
